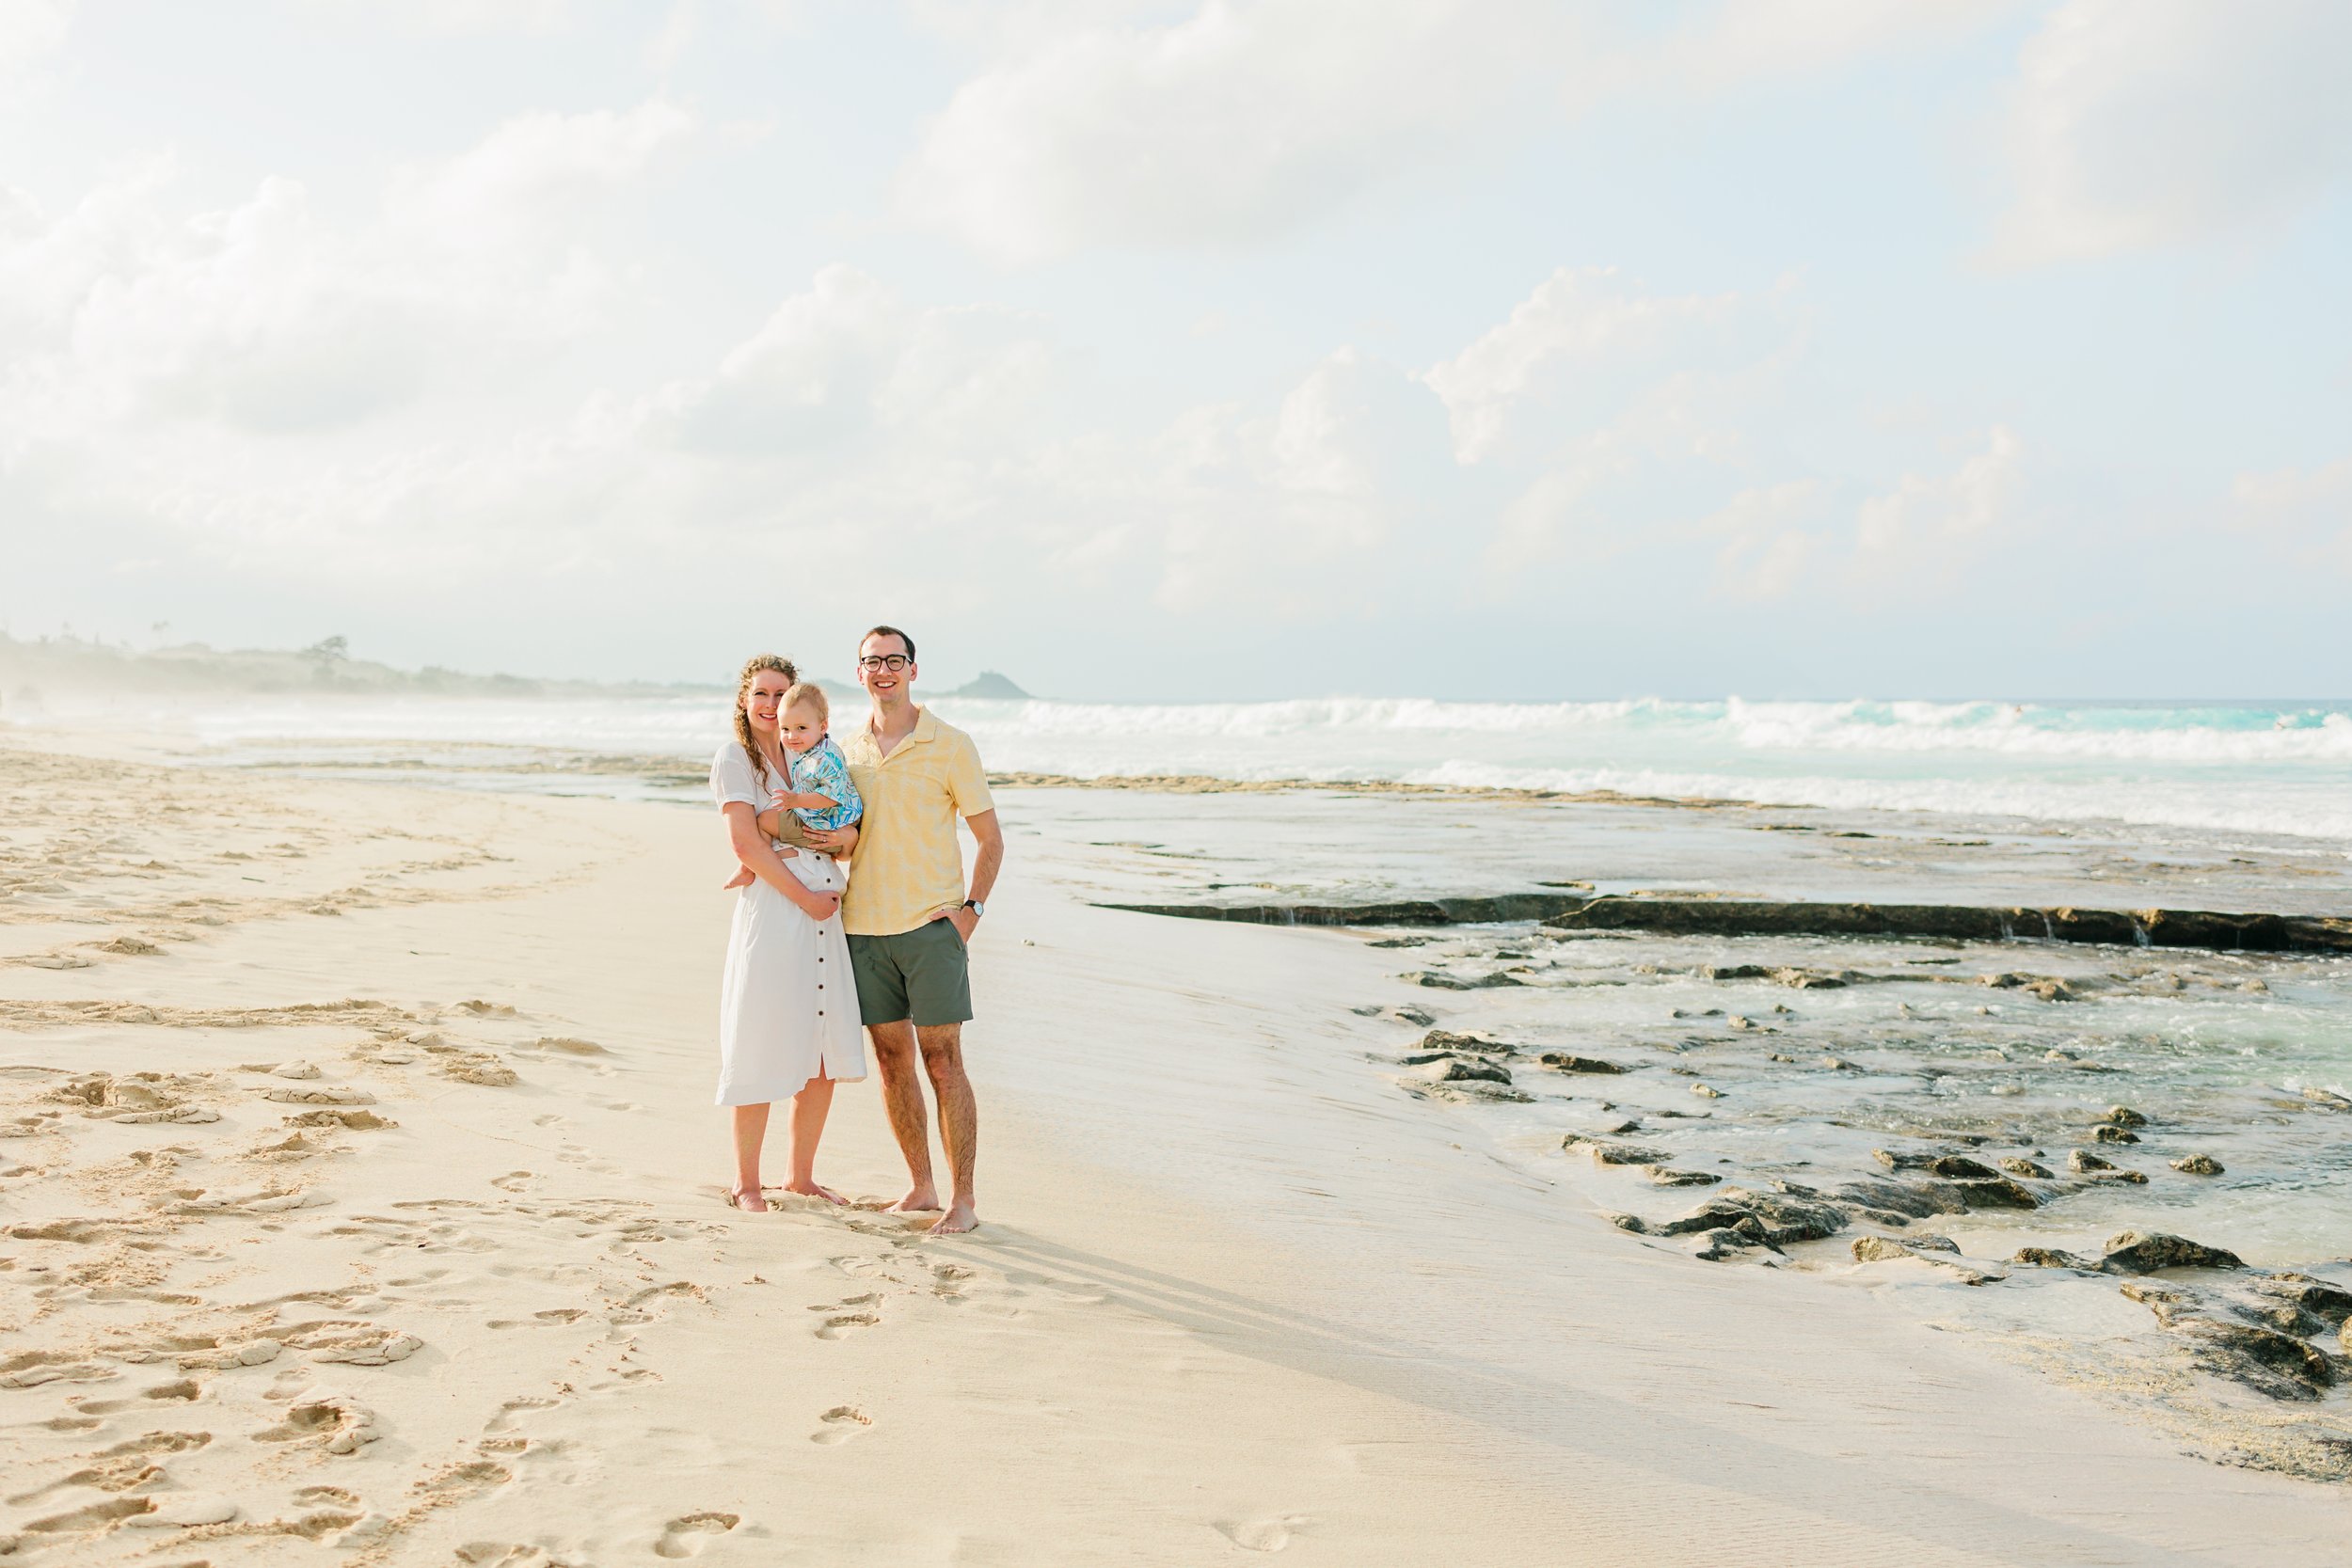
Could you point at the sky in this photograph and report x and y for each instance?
(1232, 348)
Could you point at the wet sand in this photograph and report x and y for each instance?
(1236, 1295)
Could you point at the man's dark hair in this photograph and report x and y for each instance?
(890, 631)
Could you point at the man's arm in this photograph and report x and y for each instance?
(990, 836)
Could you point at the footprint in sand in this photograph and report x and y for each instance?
(688, 1534)
(1264, 1535)
(841, 1326)
(460, 1482)
(841, 1423)
(513, 1182)
(504, 1419)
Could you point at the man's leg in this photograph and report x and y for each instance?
(958, 1119)
(902, 1101)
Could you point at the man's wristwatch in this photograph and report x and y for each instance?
(977, 908)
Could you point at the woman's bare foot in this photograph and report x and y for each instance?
(747, 1200)
(956, 1221)
(921, 1200)
(813, 1190)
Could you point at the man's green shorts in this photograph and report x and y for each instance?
(920, 974)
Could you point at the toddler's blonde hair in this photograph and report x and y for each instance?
(810, 694)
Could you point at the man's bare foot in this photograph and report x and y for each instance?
(922, 1200)
(747, 1200)
(813, 1190)
(956, 1221)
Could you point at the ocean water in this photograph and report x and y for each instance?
(2256, 766)
(1774, 1065)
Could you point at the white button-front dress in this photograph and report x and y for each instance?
(788, 1009)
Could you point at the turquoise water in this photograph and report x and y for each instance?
(2257, 767)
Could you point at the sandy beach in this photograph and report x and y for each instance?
(360, 1191)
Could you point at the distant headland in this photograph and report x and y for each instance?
(74, 665)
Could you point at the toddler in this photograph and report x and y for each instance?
(822, 795)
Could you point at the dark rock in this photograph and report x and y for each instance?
(1446, 1040)
(2284, 1317)
(2168, 1305)
(1608, 1153)
(1458, 1071)
(2278, 1364)
(1735, 972)
(1809, 979)
(1473, 1091)
(2018, 1165)
(2132, 1252)
(1564, 1061)
(1761, 917)
(2124, 1115)
(1441, 981)
(1716, 1244)
(1412, 1015)
(1914, 1200)
(1877, 1249)
(2330, 1304)
(2327, 1097)
(1903, 1159)
(2082, 1162)
(2199, 1164)
(2051, 1258)
(2107, 1135)
(1629, 1221)
(1661, 1177)
(1962, 1168)
(1997, 1192)
(1775, 1219)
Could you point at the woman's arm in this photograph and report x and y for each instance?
(752, 847)
(840, 843)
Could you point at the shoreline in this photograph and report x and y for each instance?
(1233, 1292)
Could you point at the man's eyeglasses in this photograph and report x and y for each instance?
(892, 662)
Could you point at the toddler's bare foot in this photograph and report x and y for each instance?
(742, 877)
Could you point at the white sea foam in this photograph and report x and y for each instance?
(2246, 767)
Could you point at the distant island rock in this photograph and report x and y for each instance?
(990, 684)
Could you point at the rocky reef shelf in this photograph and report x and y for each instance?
(2210, 929)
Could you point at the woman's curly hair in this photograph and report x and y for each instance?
(753, 668)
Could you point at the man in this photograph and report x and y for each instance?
(910, 918)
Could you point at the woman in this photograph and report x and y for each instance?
(787, 1009)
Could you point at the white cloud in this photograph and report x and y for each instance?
(1584, 337)
(2303, 514)
(1766, 549)
(849, 362)
(266, 315)
(2142, 123)
(1735, 42)
(1234, 124)
(31, 31)
(1936, 525)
